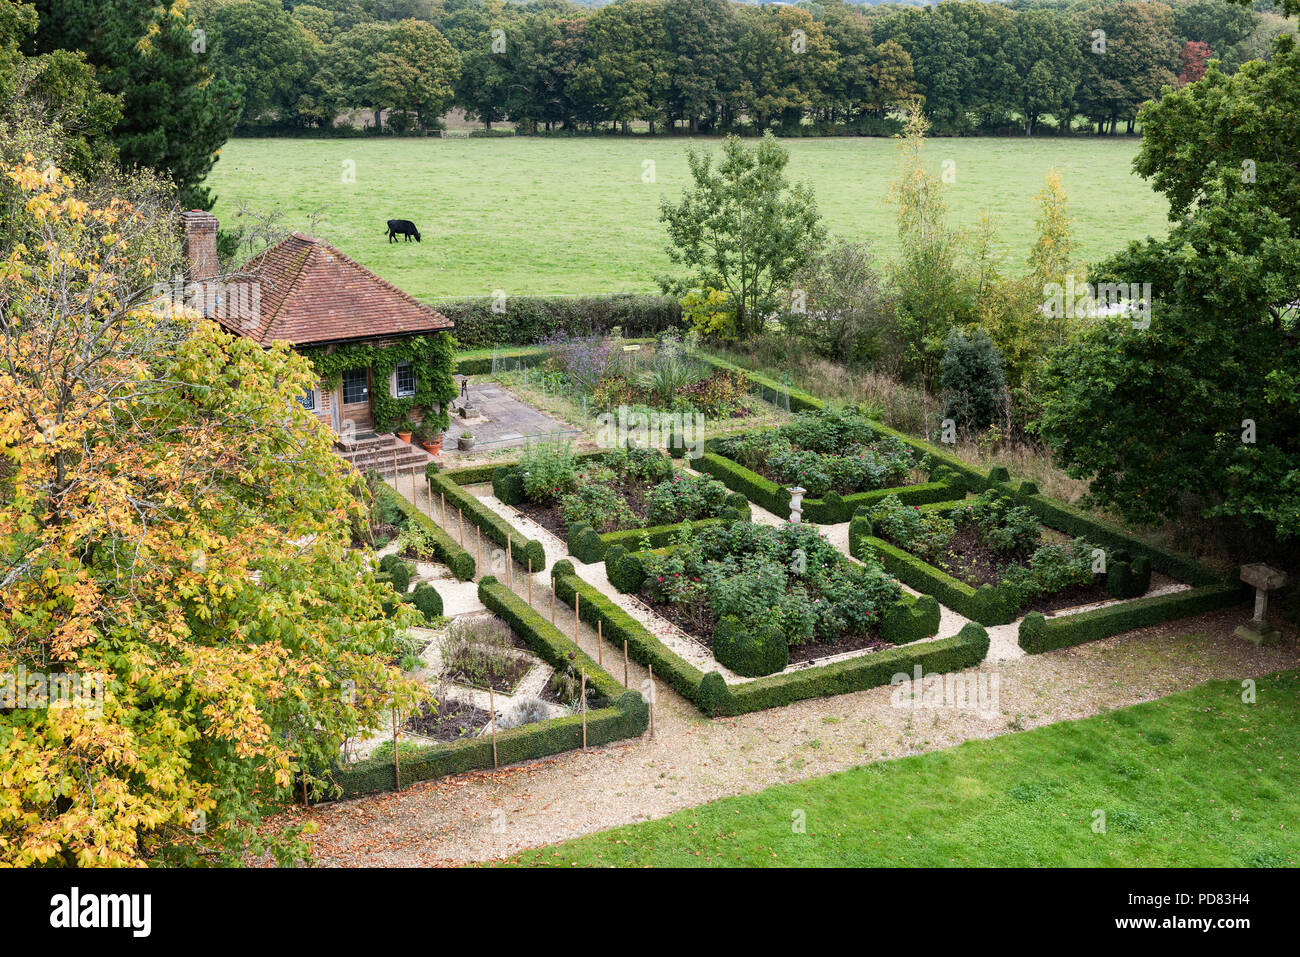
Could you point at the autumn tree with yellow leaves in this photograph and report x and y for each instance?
(174, 531)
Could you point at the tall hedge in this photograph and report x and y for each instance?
(530, 319)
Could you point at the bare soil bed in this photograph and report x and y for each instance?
(450, 721)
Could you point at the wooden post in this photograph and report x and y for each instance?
(584, 709)
(492, 706)
(530, 583)
(624, 662)
(478, 551)
(552, 603)
(460, 525)
(652, 700)
(577, 600)
(397, 764)
(600, 642)
(442, 497)
(510, 566)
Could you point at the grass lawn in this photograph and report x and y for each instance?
(555, 216)
(1196, 779)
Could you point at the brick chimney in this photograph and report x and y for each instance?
(200, 245)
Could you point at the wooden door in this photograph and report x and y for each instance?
(356, 404)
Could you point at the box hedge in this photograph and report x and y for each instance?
(427, 601)
(829, 510)
(714, 696)
(618, 714)
(445, 548)
(494, 526)
(1039, 634)
(533, 319)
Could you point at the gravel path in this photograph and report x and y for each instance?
(692, 759)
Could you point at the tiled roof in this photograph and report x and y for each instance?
(309, 292)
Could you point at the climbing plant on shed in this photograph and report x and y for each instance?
(431, 358)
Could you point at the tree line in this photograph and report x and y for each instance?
(821, 66)
(161, 86)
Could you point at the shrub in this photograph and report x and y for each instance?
(625, 571)
(548, 470)
(398, 572)
(427, 601)
(598, 505)
(973, 380)
(526, 711)
(751, 649)
(685, 497)
(508, 485)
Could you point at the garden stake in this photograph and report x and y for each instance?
(442, 497)
(600, 642)
(397, 764)
(478, 550)
(530, 583)
(577, 600)
(510, 568)
(492, 707)
(652, 701)
(584, 709)
(624, 662)
(460, 525)
(552, 605)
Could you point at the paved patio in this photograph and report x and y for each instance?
(505, 421)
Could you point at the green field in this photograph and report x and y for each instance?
(556, 216)
(1196, 779)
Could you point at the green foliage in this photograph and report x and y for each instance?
(398, 572)
(685, 497)
(973, 381)
(427, 601)
(618, 713)
(715, 697)
(532, 319)
(750, 649)
(433, 360)
(175, 113)
(1039, 634)
(261, 48)
(548, 470)
(742, 228)
(445, 548)
(493, 526)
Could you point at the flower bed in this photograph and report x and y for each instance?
(714, 696)
(761, 597)
(986, 557)
(614, 713)
(840, 457)
(593, 501)
(662, 376)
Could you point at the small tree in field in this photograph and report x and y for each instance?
(742, 229)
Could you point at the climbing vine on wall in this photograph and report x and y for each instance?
(431, 357)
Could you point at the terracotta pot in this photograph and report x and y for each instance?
(433, 448)
(404, 436)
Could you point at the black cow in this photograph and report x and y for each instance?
(402, 227)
